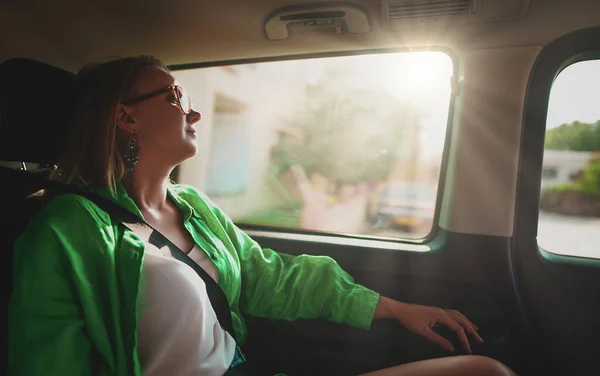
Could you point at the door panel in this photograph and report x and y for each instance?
(469, 273)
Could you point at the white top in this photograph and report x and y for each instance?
(179, 333)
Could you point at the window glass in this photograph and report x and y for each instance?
(569, 221)
(341, 144)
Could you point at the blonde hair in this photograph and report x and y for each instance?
(93, 154)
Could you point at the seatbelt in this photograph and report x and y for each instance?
(216, 295)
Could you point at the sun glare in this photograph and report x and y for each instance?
(418, 74)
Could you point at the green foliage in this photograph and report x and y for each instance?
(561, 188)
(576, 136)
(350, 131)
(590, 181)
(285, 216)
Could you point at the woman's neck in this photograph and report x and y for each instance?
(148, 186)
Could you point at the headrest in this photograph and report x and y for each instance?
(36, 103)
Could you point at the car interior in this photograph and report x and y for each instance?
(537, 309)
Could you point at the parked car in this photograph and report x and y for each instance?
(408, 205)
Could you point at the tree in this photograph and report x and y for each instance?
(351, 131)
(576, 136)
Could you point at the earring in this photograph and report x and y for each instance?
(132, 155)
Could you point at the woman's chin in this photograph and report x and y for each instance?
(191, 149)
(184, 152)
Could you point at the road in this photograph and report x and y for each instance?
(561, 234)
(568, 235)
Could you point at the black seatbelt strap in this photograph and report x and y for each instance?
(216, 295)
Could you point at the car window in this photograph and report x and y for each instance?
(348, 144)
(569, 220)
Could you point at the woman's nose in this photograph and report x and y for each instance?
(194, 116)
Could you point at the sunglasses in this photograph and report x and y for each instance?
(184, 102)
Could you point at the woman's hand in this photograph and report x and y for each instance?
(421, 320)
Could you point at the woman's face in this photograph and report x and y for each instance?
(165, 134)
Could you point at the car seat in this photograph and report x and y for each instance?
(36, 102)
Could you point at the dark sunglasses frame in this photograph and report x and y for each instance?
(173, 88)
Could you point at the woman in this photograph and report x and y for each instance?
(93, 296)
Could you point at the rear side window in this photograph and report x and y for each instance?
(338, 145)
(569, 220)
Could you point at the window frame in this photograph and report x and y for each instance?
(574, 47)
(434, 239)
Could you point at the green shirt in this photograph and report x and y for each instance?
(77, 273)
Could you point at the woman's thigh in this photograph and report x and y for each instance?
(468, 365)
